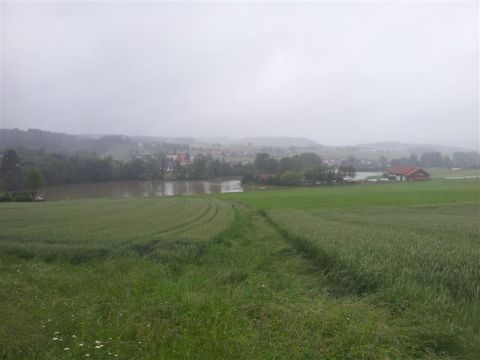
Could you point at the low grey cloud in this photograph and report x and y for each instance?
(339, 73)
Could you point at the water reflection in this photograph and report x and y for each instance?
(360, 175)
(127, 189)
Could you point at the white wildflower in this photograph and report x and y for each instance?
(54, 338)
(66, 349)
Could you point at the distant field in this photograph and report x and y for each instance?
(452, 173)
(388, 271)
(411, 193)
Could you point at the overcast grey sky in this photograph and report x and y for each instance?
(339, 73)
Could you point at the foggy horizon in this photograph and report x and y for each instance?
(234, 139)
(336, 73)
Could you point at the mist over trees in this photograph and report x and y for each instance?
(62, 158)
(289, 170)
(295, 170)
(11, 171)
(464, 160)
(88, 167)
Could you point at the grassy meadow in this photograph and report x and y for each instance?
(441, 173)
(388, 271)
(367, 195)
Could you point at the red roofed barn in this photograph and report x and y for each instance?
(184, 159)
(407, 173)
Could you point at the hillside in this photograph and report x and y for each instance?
(119, 147)
(410, 148)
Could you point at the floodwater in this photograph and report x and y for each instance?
(361, 175)
(129, 189)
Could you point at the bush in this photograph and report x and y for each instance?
(5, 197)
(22, 197)
(266, 179)
(247, 178)
(290, 178)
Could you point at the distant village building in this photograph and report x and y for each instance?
(180, 159)
(265, 177)
(408, 173)
(184, 159)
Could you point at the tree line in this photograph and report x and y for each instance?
(464, 160)
(18, 167)
(295, 170)
(88, 167)
(15, 183)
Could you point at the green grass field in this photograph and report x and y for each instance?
(439, 173)
(421, 262)
(84, 229)
(367, 195)
(386, 271)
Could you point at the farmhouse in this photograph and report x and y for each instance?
(184, 159)
(174, 160)
(407, 173)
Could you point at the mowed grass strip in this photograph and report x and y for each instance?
(362, 195)
(422, 263)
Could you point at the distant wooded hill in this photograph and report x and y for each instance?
(411, 148)
(120, 147)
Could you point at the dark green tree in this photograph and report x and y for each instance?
(11, 171)
(413, 160)
(265, 163)
(181, 172)
(291, 178)
(316, 174)
(382, 162)
(431, 159)
(309, 160)
(33, 182)
(199, 167)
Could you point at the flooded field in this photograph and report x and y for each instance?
(127, 189)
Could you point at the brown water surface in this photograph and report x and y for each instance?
(127, 189)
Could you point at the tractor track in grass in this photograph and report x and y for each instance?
(114, 231)
(179, 228)
(198, 222)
